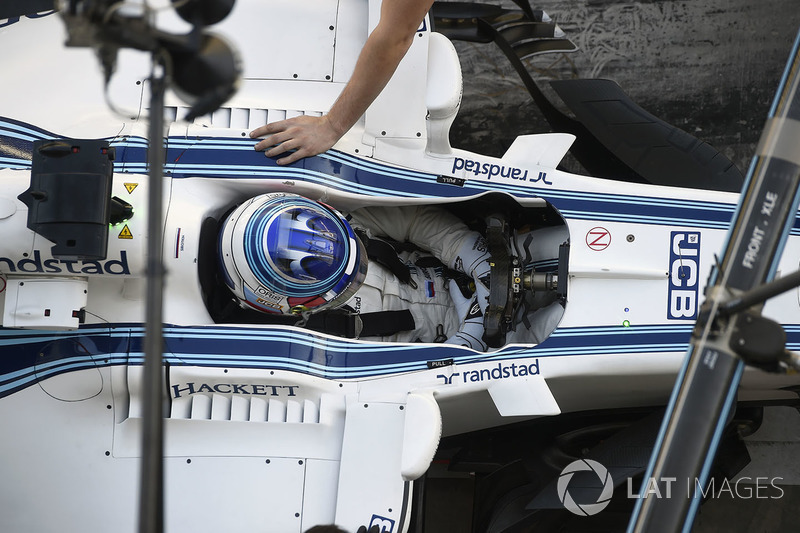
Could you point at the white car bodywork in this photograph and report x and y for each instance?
(271, 427)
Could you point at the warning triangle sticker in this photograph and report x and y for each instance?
(125, 233)
(130, 187)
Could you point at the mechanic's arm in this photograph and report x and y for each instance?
(383, 51)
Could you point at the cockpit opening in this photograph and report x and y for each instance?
(524, 244)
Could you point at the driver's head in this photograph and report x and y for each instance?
(283, 253)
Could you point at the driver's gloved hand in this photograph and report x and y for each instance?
(470, 333)
(482, 291)
(473, 260)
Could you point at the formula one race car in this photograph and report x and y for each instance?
(274, 426)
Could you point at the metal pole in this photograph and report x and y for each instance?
(151, 502)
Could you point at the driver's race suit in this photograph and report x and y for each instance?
(438, 314)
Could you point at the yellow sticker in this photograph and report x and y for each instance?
(125, 233)
(130, 187)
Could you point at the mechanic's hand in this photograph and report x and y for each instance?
(470, 333)
(373, 529)
(306, 135)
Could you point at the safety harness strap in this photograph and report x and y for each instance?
(356, 325)
(385, 253)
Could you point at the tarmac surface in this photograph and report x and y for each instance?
(709, 67)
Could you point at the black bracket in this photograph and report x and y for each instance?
(69, 199)
(759, 341)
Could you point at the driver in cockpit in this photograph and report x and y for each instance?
(378, 273)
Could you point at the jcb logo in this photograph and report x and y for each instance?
(684, 263)
(14, 20)
(385, 525)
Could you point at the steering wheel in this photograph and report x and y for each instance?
(497, 318)
(509, 280)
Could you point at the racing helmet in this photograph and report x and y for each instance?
(286, 254)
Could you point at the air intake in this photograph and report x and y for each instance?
(241, 118)
(244, 409)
